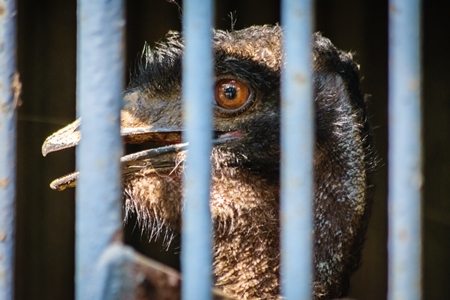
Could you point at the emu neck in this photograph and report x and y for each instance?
(246, 249)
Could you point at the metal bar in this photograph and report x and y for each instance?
(9, 89)
(114, 276)
(197, 95)
(297, 146)
(405, 150)
(100, 84)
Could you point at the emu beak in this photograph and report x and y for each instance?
(157, 157)
(162, 139)
(64, 138)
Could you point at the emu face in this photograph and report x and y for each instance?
(245, 157)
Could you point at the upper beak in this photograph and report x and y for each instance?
(141, 122)
(66, 137)
(70, 136)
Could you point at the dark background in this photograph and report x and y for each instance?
(46, 62)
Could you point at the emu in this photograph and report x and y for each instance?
(245, 158)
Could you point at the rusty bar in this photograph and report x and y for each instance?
(197, 93)
(405, 151)
(9, 89)
(100, 84)
(297, 146)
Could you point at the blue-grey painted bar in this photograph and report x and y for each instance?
(99, 88)
(114, 274)
(197, 95)
(405, 150)
(8, 103)
(297, 146)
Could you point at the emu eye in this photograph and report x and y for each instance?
(231, 94)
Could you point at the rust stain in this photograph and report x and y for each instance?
(2, 10)
(16, 87)
(300, 79)
(299, 13)
(4, 182)
(403, 235)
(4, 108)
(414, 84)
(393, 9)
(2, 236)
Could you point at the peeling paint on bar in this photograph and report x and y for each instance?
(196, 257)
(405, 150)
(100, 84)
(9, 89)
(297, 140)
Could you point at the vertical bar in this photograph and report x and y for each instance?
(405, 151)
(197, 94)
(297, 146)
(8, 102)
(100, 84)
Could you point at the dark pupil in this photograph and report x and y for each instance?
(230, 92)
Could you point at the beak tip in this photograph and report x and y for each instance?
(66, 137)
(55, 185)
(44, 150)
(47, 147)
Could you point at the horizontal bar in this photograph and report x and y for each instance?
(405, 150)
(100, 84)
(297, 146)
(9, 91)
(197, 93)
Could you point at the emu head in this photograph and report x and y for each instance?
(246, 155)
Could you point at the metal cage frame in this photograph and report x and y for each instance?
(102, 266)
